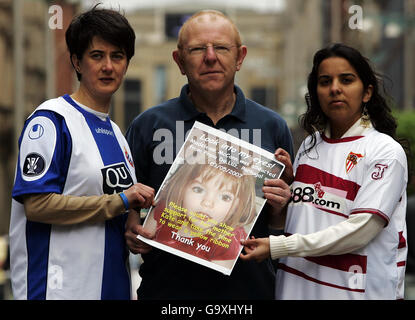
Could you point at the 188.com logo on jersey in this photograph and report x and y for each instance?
(308, 194)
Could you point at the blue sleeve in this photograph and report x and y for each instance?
(45, 147)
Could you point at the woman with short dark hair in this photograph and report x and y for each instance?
(75, 177)
(106, 24)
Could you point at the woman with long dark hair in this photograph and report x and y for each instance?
(345, 230)
(376, 109)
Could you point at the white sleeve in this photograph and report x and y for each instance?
(344, 237)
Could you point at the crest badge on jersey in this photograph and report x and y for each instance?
(128, 157)
(34, 165)
(352, 160)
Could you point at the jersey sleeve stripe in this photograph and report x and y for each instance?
(401, 264)
(372, 211)
(402, 241)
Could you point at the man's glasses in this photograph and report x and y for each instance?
(220, 49)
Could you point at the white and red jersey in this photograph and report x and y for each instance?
(334, 180)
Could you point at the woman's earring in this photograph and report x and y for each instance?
(365, 120)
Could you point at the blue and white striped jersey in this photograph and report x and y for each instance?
(68, 150)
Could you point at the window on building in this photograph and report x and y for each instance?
(160, 84)
(174, 22)
(132, 100)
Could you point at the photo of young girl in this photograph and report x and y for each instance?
(208, 209)
(210, 198)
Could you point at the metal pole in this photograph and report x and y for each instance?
(336, 21)
(18, 59)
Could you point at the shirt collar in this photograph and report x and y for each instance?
(189, 111)
(83, 108)
(357, 129)
(102, 115)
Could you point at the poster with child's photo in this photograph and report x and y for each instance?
(211, 197)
